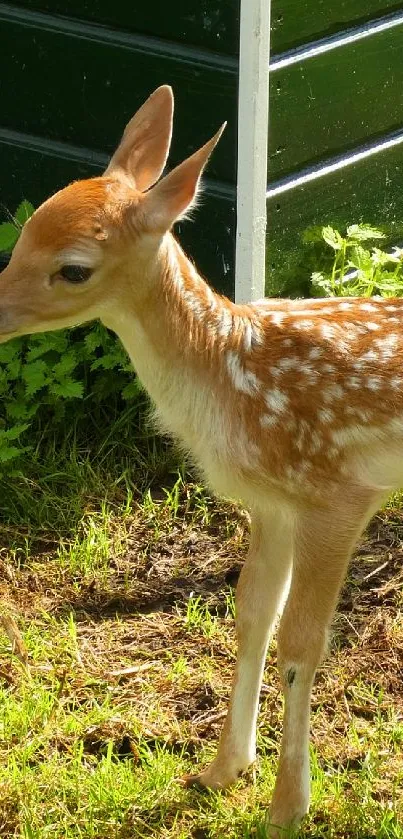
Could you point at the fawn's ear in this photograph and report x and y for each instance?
(143, 149)
(173, 196)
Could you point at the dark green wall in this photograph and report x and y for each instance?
(336, 126)
(70, 83)
(73, 71)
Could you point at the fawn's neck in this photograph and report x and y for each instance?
(177, 337)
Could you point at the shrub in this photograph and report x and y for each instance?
(353, 268)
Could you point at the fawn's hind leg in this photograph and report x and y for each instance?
(324, 541)
(260, 587)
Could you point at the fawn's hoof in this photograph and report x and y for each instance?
(215, 777)
(201, 782)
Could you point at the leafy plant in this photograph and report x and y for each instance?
(10, 230)
(63, 375)
(357, 269)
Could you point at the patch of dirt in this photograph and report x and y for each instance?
(155, 574)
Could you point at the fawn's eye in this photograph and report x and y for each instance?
(75, 273)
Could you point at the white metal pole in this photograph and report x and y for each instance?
(253, 123)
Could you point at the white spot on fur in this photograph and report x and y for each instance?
(291, 363)
(309, 371)
(268, 420)
(327, 331)
(372, 326)
(368, 307)
(370, 355)
(225, 323)
(247, 337)
(388, 346)
(243, 380)
(364, 415)
(277, 318)
(315, 353)
(315, 443)
(353, 382)
(333, 392)
(326, 415)
(304, 431)
(374, 382)
(276, 400)
(194, 304)
(211, 298)
(257, 337)
(304, 324)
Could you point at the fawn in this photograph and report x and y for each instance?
(293, 407)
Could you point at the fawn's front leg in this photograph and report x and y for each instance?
(260, 587)
(324, 540)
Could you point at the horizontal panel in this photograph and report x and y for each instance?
(72, 86)
(331, 102)
(293, 23)
(213, 24)
(368, 191)
(209, 238)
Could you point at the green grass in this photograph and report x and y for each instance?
(125, 600)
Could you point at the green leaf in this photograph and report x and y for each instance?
(47, 342)
(9, 351)
(132, 390)
(312, 234)
(14, 369)
(109, 361)
(358, 257)
(19, 409)
(35, 375)
(10, 453)
(363, 232)
(380, 258)
(68, 389)
(95, 338)
(24, 212)
(12, 433)
(321, 284)
(8, 236)
(332, 237)
(66, 365)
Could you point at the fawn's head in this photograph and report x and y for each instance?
(96, 240)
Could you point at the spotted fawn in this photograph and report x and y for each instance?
(293, 407)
